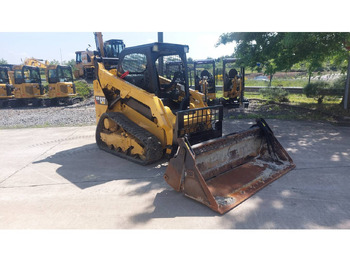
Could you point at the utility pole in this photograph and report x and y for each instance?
(160, 40)
(347, 95)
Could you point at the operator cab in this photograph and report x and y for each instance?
(4, 78)
(142, 66)
(60, 74)
(27, 74)
(204, 70)
(113, 47)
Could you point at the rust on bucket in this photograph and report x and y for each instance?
(223, 172)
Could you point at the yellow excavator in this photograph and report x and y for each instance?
(205, 79)
(233, 84)
(61, 86)
(143, 116)
(28, 88)
(36, 62)
(6, 87)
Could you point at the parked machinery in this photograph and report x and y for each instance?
(6, 87)
(84, 59)
(142, 116)
(36, 62)
(204, 74)
(84, 64)
(28, 88)
(61, 86)
(233, 84)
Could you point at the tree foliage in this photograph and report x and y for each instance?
(3, 61)
(262, 51)
(280, 51)
(54, 62)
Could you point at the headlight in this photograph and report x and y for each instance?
(155, 48)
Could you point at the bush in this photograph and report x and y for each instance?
(275, 94)
(318, 90)
(83, 88)
(339, 83)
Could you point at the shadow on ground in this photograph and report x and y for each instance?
(88, 166)
(314, 195)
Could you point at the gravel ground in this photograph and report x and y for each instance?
(82, 113)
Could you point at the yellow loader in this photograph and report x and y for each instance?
(143, 116)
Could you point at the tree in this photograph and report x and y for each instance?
(315, 48)
(70, 63)
(280, 51)
(54, 62)
(3, 61)
(260, 51)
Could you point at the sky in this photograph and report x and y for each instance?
(61, 46)
(56, 31)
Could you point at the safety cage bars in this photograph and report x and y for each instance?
(199, 124)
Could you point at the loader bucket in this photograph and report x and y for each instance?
(223, 172)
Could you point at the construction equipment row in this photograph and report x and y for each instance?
(21, 85)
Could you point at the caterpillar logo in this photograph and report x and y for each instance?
(101, 100)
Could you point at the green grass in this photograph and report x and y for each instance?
(297, 98)
(83, 88)
(298, 82)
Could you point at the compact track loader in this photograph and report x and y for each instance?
(143, 116)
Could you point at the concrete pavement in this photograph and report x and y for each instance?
(57, 178)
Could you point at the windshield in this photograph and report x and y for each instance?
(173, 64)
(4, 79)
(65, 74)
(28, 75)
(113, 49)
(204, 71)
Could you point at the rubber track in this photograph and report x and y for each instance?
(151, 144)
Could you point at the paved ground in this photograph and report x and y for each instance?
(58, 178)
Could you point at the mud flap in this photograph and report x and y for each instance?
(223, 172)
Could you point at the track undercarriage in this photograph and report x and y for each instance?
(118, 135)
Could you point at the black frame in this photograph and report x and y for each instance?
(211, 89)
(54, 80)
(114, 42)
(5, 69)
(242, 72)
(202, 133)
(153, 52)
(22, 74)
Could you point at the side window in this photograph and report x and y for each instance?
(136, 66)
(134, 63)
(26, 75)
(18, 74)
(78, 58)
(52, 76)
